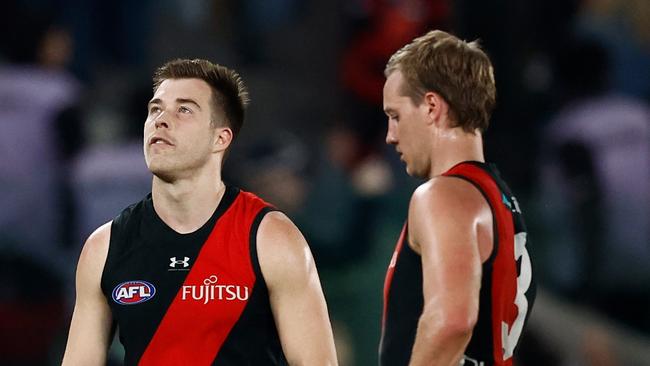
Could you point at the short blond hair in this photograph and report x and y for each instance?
(458, 71)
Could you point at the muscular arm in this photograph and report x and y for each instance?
(444, 216)
(89, 335)
(295, 293)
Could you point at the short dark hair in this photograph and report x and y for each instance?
(457, 70)
(229, 94)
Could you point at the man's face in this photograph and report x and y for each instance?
(407, 130)
(178, 135)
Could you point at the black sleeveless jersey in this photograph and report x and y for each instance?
(191, 299)
(507, 287)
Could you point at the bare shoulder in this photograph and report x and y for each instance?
(95, 250)
(282, 250)
(443, 205)
(278, 236)
(449, 195)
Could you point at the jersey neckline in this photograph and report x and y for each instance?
(228, 198)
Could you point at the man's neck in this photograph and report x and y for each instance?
(453, 148)
(186, 204)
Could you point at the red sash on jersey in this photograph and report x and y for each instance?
(193, 331)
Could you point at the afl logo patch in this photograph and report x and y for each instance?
(133, 292)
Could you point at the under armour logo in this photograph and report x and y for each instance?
(185, 262)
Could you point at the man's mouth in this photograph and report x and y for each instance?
(156, 140)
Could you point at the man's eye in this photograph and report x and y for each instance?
(154, 109)
(184, 110)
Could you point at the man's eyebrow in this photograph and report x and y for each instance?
(388, 110)
(178, 100)
(188, 100)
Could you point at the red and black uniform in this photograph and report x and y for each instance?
(507, 287)
(191, 299)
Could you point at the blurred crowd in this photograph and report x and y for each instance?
(571, 133)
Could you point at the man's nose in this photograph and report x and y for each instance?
(161, 120)
(391, 139)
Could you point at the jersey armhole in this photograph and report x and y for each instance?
(495, 230)
(109, 254)
(257, 270)
(102, 281)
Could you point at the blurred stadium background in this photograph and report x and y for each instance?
(571, 133)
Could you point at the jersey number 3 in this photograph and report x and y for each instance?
(510, 336)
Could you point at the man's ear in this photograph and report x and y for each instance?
(437, 109)
(223, 138)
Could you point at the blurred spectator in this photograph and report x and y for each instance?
(107, 177)
(623, 27)
(319, 193)
(344, 218)
(388, 25)
(378, 28)
(338, 212)
(275, 168)
(35, 89)
(595, 191)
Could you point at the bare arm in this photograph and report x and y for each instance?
(296, 296)
(89, 335)
(443, 218)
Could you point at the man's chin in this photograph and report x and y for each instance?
(410, 171)
(162, 173)
(415, 174)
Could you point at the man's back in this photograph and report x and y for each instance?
(507, 291)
